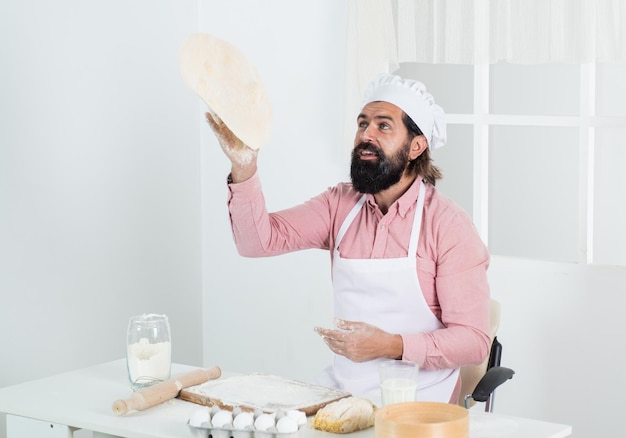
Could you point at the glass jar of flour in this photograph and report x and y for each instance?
(149, 350)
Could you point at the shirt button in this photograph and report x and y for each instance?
(382, 227)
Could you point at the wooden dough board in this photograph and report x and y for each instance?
(263, 392)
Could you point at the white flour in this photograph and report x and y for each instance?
(266, 392)
(149, 362)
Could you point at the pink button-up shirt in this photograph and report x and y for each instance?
(451, 258)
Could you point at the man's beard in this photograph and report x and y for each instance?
(377, 175)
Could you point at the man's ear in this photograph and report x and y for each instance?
(418, 145)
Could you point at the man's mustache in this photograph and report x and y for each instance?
(369, 147)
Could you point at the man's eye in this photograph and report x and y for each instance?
(362, 125)
(384, 126)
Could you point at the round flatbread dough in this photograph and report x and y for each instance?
(230, 85)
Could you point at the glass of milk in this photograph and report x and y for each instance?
(149, 350)
(398, 381)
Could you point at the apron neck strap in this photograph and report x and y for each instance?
(348, 220)
(417, 220)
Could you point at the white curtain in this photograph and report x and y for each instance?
(384, 33)
(516, 31)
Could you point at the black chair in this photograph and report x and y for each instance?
(479, 382)
(495, 376)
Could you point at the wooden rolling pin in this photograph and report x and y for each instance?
(163, 391)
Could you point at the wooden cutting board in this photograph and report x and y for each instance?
(263, 392)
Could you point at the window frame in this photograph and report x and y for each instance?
(586, 122)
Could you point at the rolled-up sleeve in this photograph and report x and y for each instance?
(258, 233)
(459, 294)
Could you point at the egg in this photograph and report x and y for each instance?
(243, 420)
(198, 417)
(222, 418)
(287, 425)
(298, 416)
(264, 422)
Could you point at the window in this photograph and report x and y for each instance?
(534, 154)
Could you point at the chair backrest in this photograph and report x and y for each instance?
(471, 374)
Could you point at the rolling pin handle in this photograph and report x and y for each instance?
(120, 407)
(213, 373)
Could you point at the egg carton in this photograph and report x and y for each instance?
(215, 422)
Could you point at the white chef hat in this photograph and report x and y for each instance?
(412, 98)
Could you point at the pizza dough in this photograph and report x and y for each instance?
(265, 392)
(346, 415)
(230, 85)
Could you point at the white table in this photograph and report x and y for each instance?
(57, 406)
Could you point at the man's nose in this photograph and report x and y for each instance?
(366, 135)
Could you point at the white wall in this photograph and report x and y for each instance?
(562, 332)
(260, 313)
(99, 182)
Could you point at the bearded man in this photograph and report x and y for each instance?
(408, 266)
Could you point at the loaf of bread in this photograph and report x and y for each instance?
(346, 415)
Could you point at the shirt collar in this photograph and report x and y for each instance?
(407, 201)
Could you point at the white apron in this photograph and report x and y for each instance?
(385, 293)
